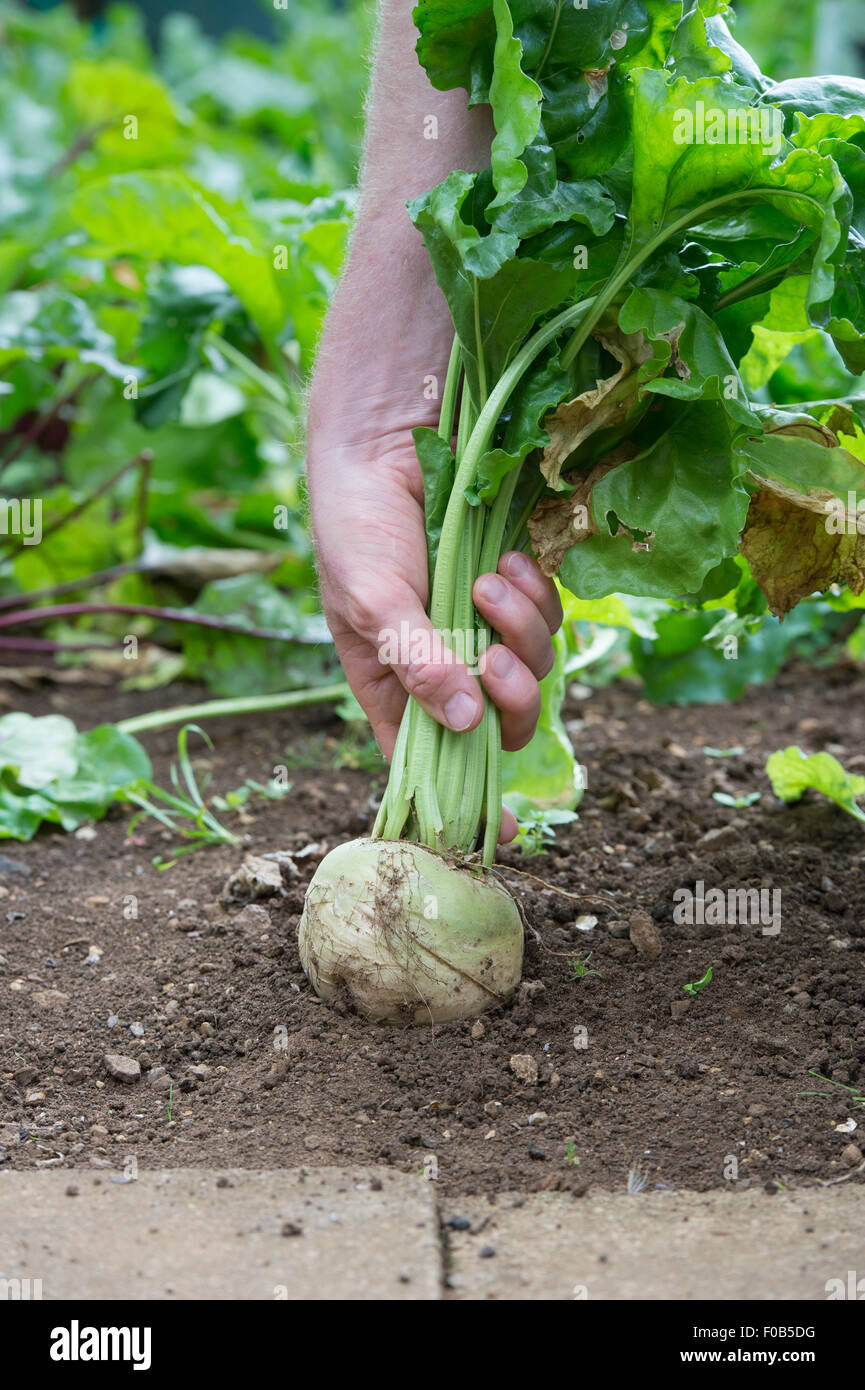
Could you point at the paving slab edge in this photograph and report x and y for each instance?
(378, 1233)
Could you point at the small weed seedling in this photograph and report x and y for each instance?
(740, 802)
(184, 811)
(697, 985)
(581, 969)
(538, 830)
(170, 1100)
(571, 1160)
(236, 800)
(858, 1101)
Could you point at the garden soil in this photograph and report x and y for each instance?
(629, 1078)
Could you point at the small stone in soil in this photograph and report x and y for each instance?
(524, 1067)
(723, 837)
(644, 934)
(122, 1068)
(49, 998)
(488, 1252)
(535, 1152)
(256, 878)
(529, 989)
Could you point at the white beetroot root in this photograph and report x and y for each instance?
(407, 936)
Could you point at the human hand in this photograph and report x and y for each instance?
(366, 502)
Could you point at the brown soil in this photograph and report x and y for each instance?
(283, 1079)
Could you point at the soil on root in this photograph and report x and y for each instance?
(242, 1065)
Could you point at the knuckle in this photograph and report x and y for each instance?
(363, 610)
(424, 681)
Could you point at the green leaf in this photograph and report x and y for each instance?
(53, 325)
(544, 775)
(437, 467)
(804, 466)
(134, 117)
(233, 664)
(39, 750)
(161, 215)
(617, 610)
(685, 337)
(642, 546)
(782, 327)
(455, 44)
(792, 772)
(493, 300)
(515, 100)
(49, 772)
(815, 96)
(703, 45)
(682, 668)
(544, 202)
(701, 147)
(182, 303)
(739, 802)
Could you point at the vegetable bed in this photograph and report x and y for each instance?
(283, 1079)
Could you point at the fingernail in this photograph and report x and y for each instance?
(492, 589)
(503, 663)
(460, 711)
(518, 564)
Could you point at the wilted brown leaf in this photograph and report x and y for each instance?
(791, 551)
(793, 541)
(608, 403)
(557, 523)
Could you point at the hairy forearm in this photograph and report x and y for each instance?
(388, 327)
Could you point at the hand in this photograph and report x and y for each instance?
(368, 521)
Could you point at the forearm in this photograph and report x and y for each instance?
(388, 327)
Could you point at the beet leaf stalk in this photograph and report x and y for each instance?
(444, 789)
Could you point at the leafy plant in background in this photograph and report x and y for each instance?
(51, 773)
(171, 232)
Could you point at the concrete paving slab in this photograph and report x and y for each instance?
(319, 1234)
(659, 1245)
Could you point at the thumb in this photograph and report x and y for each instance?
(432, 671)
